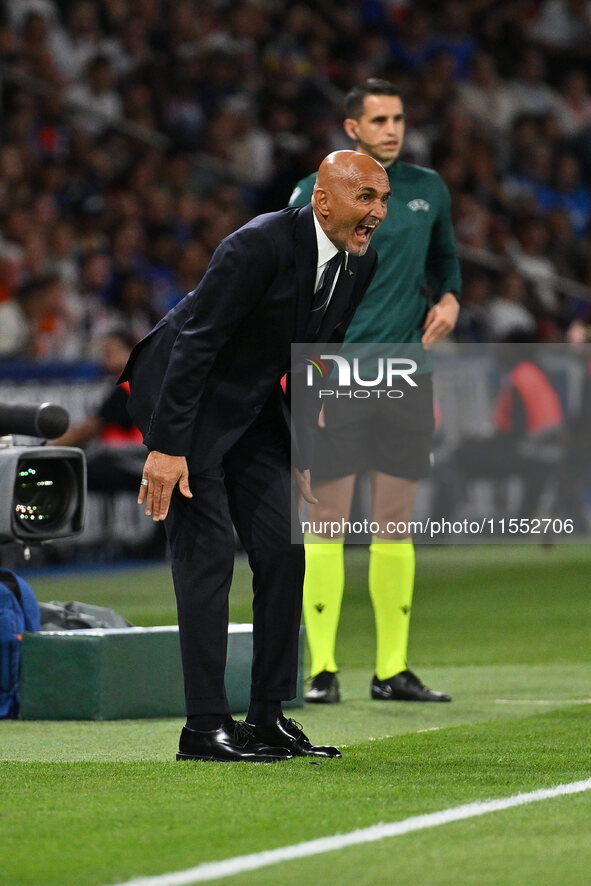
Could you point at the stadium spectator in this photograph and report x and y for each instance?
(506, 313)
(128, 48)
(564, 251)
(473, 319)
(562, 27)
(77, 41)
(454, 36)
(488, 96)
(570, 194)
(529, 253)
(94, 105)
(192, 265)
(483, 180)
(472, 221)
(132, 307)
(530, 91)
(574, 94)
(528, 188)
(11, 271)
(35, 50)
(250, 148)
(35, 322)
(412, 44)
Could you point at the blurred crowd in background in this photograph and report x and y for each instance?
(137, 134)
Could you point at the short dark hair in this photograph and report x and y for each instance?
(374, 86)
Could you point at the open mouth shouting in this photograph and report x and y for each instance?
(364, 231)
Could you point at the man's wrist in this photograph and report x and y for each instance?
(455, 294)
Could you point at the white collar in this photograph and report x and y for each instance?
(326, 248)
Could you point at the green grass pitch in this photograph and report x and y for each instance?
(504, 629)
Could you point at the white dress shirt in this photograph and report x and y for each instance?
(326, 250)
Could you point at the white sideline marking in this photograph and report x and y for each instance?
(385, 737)
(215, 870)
(542, 701)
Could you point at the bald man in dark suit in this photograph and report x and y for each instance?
(205, 391)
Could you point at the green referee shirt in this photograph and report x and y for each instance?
(415, 244)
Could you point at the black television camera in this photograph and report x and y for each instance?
(42, 488)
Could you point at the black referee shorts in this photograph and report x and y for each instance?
(392, 435)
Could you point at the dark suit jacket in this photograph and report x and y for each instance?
(201, 376)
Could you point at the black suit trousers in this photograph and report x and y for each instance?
(251, 489)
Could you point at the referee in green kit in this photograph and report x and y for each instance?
(416, 246)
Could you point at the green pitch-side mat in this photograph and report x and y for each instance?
(123, 674)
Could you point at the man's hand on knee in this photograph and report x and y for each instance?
(160, 475)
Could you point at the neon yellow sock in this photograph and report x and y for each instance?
(324, 583)
(391, 583)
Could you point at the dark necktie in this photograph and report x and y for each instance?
(322, 296)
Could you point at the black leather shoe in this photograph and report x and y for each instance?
(404, 686)
(324, 689)
(233, 741)
(288, 734)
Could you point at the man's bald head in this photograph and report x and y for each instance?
(346, 164)
(350, 198)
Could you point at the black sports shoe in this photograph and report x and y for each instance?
(324, 689)
(233, 741)
(288, 734)
(404, 686)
